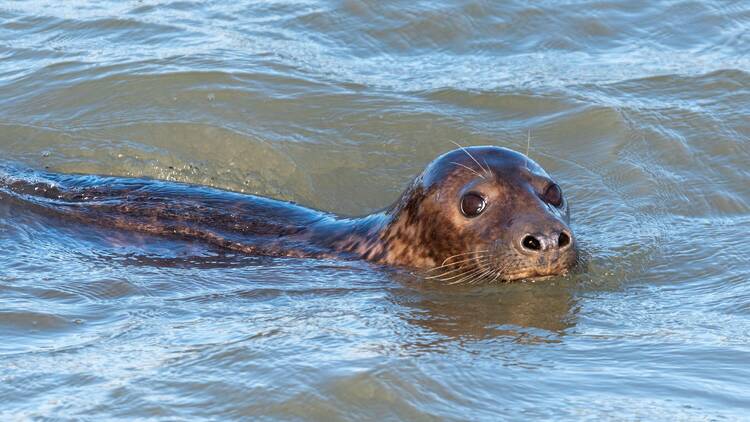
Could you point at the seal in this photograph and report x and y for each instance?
(474, 213)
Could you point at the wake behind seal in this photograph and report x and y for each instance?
(475, 213)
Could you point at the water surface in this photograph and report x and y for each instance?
(639, 108)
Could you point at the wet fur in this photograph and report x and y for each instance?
(423, 229)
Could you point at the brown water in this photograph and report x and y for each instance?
(640, 108)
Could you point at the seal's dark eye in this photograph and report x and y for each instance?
(472, 204)
(553, 195)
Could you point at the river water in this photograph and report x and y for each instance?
(641, 109)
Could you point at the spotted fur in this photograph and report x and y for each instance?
(423, 229)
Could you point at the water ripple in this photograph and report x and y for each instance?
(639, 109)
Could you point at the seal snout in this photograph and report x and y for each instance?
(547, 245)
(538, 243)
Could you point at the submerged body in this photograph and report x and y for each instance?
(474, 213)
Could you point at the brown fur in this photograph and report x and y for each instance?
(423, 229)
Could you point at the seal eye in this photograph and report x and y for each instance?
(553, 195)
(472, 204)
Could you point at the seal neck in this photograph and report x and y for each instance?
(393, 236)
(357, 237)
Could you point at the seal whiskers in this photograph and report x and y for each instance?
(463, 276)
(446, 263)
(487, 271)
(445, 272)
(468, 168)
(487, 169)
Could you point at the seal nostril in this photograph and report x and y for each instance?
(532, 243)
(563, 240)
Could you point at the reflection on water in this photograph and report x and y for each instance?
(638, 108)
(525, 312)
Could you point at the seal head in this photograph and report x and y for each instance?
(480, 213)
